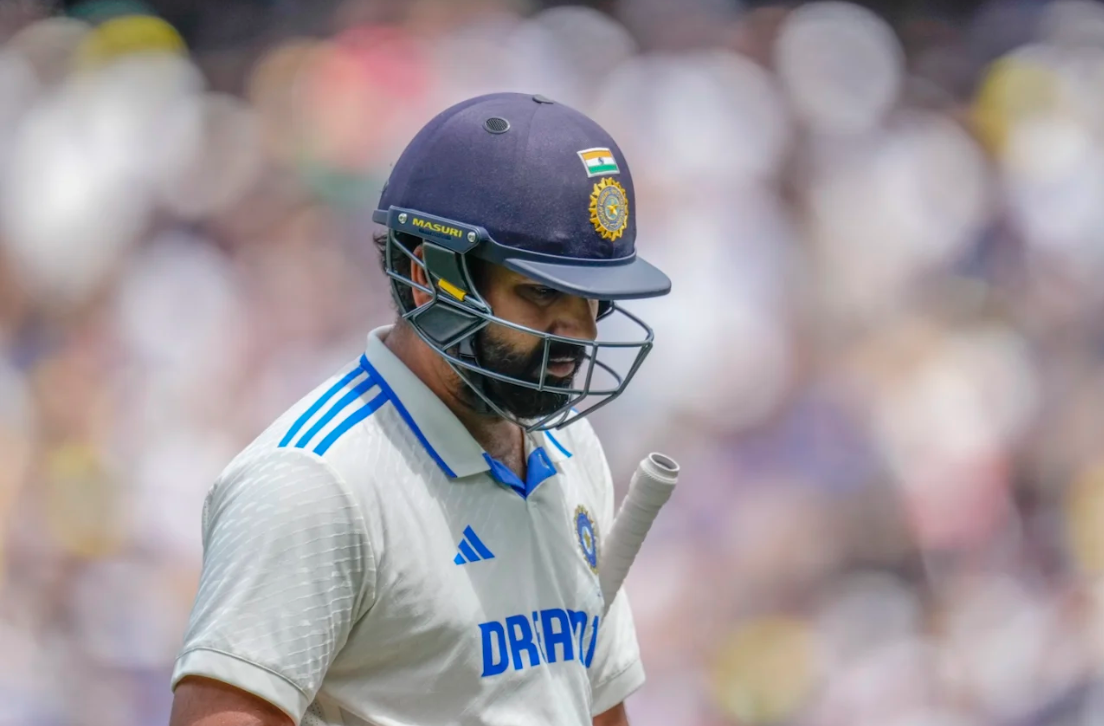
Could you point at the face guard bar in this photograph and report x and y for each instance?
(449, 321)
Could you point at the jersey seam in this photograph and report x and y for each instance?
(264, 668)
(361, 608)
(615, 676)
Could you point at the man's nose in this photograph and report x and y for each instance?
(575, 318)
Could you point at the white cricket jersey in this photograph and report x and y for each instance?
(366, 562)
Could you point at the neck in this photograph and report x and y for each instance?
(495, 434)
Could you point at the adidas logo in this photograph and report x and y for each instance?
(472, 549)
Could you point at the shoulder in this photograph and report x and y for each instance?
(587, 458)
(329, 414)
(581, 442)
(273, 489)
(581, 437)
(306, 449)
(339, 415)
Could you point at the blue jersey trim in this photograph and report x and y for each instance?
(352, 420)
(337, 408)
(538, 468)
(302, 420)
(557, 444)
(390, 394)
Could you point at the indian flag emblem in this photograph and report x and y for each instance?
(599, 161)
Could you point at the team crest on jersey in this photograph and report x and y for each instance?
(609, 209)
(587, 535)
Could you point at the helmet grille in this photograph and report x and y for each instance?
(496, 125)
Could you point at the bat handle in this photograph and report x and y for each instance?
(650, 488)
(660, 467)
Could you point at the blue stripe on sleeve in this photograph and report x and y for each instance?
(337, 408)
(352, 420)
(319, 404)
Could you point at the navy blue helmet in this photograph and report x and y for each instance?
(538, 187)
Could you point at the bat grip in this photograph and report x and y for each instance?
(650, 488)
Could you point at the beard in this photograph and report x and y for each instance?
(524, 403)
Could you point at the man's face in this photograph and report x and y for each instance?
(520, 355)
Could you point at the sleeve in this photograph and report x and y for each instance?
(287, 570)
(616, 671)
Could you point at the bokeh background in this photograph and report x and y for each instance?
(881, 366)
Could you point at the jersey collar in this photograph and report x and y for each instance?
(436, 427)
(444, 437)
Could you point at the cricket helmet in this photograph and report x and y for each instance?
(520, 181)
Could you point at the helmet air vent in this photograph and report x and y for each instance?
(496, 125)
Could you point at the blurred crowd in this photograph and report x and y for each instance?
(881, 366)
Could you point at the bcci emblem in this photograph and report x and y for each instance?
(588, 536)
(609, 209)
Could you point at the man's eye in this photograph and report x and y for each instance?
(543, 293)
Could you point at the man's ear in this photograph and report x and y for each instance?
(418, 275)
